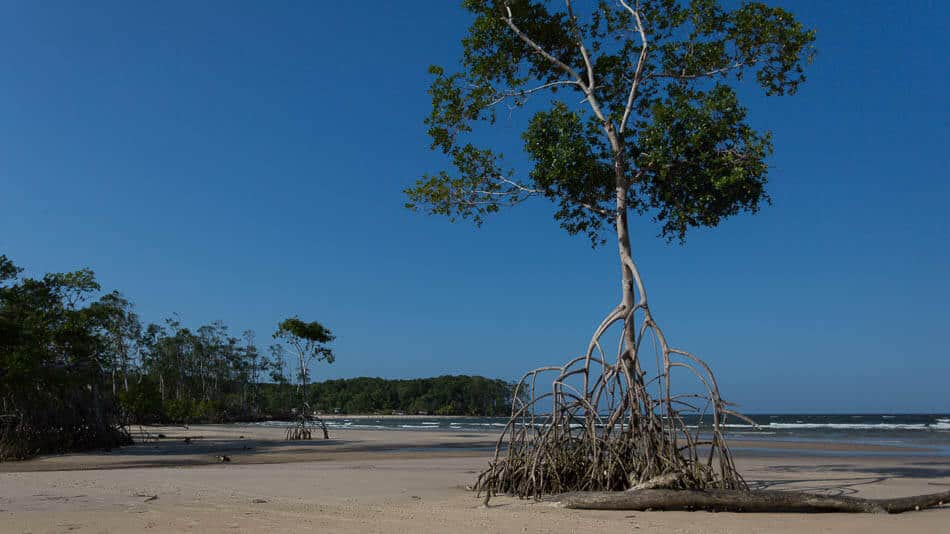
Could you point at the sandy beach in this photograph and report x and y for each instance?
(393, 481)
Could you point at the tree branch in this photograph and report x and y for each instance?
(640, 63)
(580, 43)
(720, 70)
(526, 92)
(588, 90)
(595, 209)
(509, 20)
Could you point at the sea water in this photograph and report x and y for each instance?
(930, 431)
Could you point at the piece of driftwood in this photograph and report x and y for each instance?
(743, 501)
(668, 480)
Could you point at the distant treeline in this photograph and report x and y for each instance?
(77, 367)
(443, 395)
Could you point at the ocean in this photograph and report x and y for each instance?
(924, 431)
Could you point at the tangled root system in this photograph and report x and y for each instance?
(606, 424)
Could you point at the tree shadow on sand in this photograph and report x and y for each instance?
(849, 485)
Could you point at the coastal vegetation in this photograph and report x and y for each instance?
(308, 343)
(443, 395)
(77, 367)
(56, 347)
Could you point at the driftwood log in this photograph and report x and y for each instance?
(743, 501)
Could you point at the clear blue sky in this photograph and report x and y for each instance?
(245, 161)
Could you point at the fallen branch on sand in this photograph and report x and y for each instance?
(743, 501)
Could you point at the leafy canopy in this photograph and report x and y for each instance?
(308, 339)
(54, 353)
(630, 99)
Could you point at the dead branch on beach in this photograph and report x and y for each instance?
(744, 501)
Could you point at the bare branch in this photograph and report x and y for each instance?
(509, 20)
(595, 209)
(506, 197)
(519, 186)
(526, 92)
(588, 89)
(640, 63)
(709, 73)
(580, 43)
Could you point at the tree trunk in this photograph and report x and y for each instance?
(623, 232)
(743, 501)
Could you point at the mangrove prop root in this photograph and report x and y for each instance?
(743, 501)
(605, 433)
(42, 428)
(604, 423)
(298, 432)
(301, 430)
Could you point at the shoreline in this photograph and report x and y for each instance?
(384, 481)
(742, 438)
(257, 444)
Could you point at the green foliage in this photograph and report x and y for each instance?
(708, 163)
(75, 369)
(142, 402)
(202, 375)
(443, 395)
(294, 327)
(8, 271)
(308, 342)
(53, 393)
(569, 169)
(180, 410)
(311, 338)
(677, 146)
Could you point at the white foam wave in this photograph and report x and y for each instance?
(850, 426)
(941, 424)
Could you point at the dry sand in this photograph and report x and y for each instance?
(393, 481)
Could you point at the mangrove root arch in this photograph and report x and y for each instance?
(301, 430)
(607, 425)
(615, 438)
(744, 501)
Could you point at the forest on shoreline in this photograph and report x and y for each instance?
(77, 366)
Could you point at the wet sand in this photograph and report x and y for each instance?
(392, 481)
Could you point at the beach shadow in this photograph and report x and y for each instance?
(824, 486)
(200, 451)
(848, 485)
(343, 446)
(911, 470)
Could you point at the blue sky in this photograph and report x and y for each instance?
(244, 161)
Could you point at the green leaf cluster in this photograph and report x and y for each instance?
(678, 148)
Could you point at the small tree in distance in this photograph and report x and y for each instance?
(309, 343)
(635, 111)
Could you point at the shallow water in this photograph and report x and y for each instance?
(930, 431)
